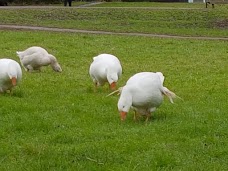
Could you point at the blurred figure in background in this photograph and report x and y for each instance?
(3, 3)
(69, 2)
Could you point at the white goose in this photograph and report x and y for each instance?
(10, 74)
(35, 57)
(105, 68)
(144, 93)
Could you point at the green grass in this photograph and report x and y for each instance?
(188, 22)
(55, 121)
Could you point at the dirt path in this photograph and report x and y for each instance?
(16, 27)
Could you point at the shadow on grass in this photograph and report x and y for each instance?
(160, 116)
(141, 120)
(102, 89)
(13, 94)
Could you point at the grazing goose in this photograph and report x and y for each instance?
(105, 68)
(144, 93)
(35, 57)
(10, 74)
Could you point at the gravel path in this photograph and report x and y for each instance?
(16, 27)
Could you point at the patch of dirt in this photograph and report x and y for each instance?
(222, 24)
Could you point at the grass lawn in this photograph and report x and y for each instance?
(195, 20)
(55, 121)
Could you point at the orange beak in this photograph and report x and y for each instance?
(113, 86)
(123, 115)
(14, 81)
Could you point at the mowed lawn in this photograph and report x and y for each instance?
(56, 121)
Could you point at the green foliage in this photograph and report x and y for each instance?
(150, 4)
(35, 1)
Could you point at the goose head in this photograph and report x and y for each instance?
(13, 74)
(54, 64)
(112, 78)
(124, 103)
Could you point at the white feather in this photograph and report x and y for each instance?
(105, 68)
(9, 69)
(144, 93)
(35, 57)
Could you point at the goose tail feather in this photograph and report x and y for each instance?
(118, 91)
(19, 54)
(171, 95)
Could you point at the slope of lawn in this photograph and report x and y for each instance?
(56, 121)
(175, 21)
